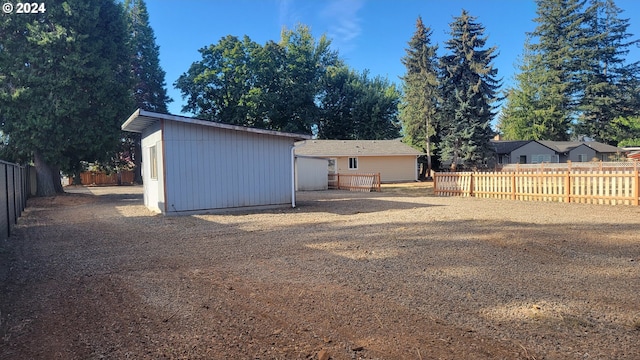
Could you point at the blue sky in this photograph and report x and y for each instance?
(368, 34)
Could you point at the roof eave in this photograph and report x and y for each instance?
(135, 123)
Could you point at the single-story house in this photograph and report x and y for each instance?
(196, 166)
(535, 152)
(393, 159)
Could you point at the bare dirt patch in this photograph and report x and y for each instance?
(393, 275)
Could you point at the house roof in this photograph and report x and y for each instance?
(566, 146)
(141, 119)
(327, 148)
(507, 146)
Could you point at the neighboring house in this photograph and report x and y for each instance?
(393, 159)
(535, 152)
(196, 166)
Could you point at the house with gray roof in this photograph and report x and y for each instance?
(393, 159)
(535, 152)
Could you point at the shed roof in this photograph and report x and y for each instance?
(356, 148)
(141, 119)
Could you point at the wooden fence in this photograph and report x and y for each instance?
(355, 182)
(601, 187)
(101, 178)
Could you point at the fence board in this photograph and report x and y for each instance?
(591, 187)
(101, 178)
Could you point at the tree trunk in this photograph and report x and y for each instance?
(137, 159)
(47, 176)
(77, 179)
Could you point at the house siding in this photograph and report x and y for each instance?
(532, 148)
(153, 188)
(574, 154)
(213, 168)
(391, 168)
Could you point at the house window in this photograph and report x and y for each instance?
(540, 158)
(523, 159)
(353, 163)
(582, 157)
(153, 161)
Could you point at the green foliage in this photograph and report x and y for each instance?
(421, 91)
(64, 85)
(149, 89)
(575, 77)
(469, 91)
(273, 86)
(627, 129)
(606, 73)
(354, 106)
(296, 85)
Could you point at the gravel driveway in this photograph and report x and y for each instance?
(393, 275)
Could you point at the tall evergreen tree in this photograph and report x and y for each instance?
(421, 92)
(469, 90)
(605, 72)
(557, 56)
(149, 90)
(524, 117)
(64, 86)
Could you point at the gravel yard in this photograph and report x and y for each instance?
(393, 275)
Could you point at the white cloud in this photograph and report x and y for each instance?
(344, 25)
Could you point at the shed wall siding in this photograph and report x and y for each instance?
(153, 188)
(312, 174)
(212, 168)
(391, 168)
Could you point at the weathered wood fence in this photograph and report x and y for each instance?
(17, 183)
(101, 178)
(355, 182)
(592, 187)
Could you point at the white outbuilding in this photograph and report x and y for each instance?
(196, 166)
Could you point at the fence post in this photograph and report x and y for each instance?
(379, 180)
(567, 187)
(471, 185)
(636, 187)
(513, 186)
(435, 184)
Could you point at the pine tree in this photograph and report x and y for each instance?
(469, 90)
(421, 92)
(604, 72)
(523, 117)
(150, 88)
